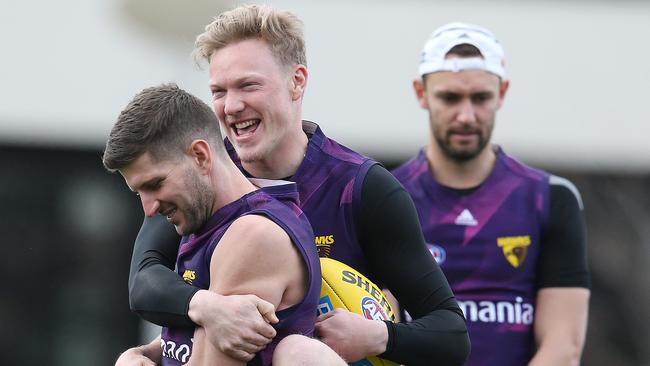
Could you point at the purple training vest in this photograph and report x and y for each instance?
(487, 243)
(329, 181)
(279, 203)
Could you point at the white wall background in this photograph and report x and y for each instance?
(580, 71)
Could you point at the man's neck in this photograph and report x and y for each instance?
(283, 161)
(460, 174)
(229, 184)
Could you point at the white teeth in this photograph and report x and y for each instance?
(244, 124)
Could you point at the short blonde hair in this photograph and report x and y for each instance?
(281, 30)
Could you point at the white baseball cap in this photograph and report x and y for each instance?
(450, 35)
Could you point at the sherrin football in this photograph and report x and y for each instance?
(346, 288)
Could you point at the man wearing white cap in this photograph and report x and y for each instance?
(510, 238)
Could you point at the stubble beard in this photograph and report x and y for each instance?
(199, 210)
(459, 155)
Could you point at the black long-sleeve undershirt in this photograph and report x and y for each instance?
(156, 292)
(392, 241)
(563, 258)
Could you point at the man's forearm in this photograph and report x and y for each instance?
(560, 325)
(156, 292)
(557, 352)
(393, 244)
(160, 296)
(440, 335)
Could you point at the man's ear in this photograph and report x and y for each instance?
(420, 93)
(299, 81)
(503, 89)
(201, 154)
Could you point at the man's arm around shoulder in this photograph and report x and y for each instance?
(254, 256)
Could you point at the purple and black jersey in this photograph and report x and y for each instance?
(329, 180)
(487, 242)
(361, 216)
(278, 202)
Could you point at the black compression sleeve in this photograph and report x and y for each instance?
(392, 241)
(156, 292)
(563, 254)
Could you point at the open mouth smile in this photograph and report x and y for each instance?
(246, 127)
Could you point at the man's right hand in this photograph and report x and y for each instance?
(238, 325)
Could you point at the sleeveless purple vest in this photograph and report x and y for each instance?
(329, 181)
(487, 243)
(279, 203)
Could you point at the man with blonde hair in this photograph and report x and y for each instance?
(360, 214)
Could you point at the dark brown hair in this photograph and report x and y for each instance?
(465, 50)
(162, 120)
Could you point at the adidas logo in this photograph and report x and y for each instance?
(466, 218)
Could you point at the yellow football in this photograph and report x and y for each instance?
(346, 288)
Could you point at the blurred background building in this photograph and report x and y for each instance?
(577, 107)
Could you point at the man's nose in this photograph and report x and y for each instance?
(150, 204)
(233, 104)
(467, 112)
